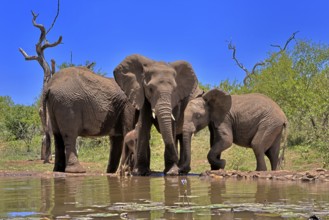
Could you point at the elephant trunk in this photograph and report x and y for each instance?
(163, 111)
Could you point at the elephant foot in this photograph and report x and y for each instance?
(59, 168)
(110, 170)
(75, 168)
(173, 171)
(184, 170)
(219, 165)
(141, 172)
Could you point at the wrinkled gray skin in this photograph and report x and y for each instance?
(129, 150)
(250, 120)
(82, 103)
(161, 88)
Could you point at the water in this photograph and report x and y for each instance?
(102, 197)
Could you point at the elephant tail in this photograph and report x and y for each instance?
(284, 140)
(43, 110)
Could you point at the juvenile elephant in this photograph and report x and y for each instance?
(162, 90)
(128, 151)
(82, 103)
(250, 120)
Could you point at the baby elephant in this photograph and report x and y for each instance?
(250, 120)
(128, 152)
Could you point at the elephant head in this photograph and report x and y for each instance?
(211, 107)
(200, 112)
(160, 86)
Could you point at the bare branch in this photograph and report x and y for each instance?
(27, 57)
(278, 46)
(232, 47)
(52, 25)
(90, 65)
(47, 44)
(292, 37)
(261, 63)
(53, 66)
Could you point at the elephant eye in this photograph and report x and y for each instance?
(197, 115)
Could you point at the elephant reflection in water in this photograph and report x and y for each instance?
(61, 195)
(220, 192)
(130, 190)
(46, 192)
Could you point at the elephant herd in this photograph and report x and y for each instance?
(143, 93)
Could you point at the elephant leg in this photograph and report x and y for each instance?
(72, 163)
(273, 152)
(115, 153)
(60, 162)
(222, 139)
(43, 147)
(142, 156)
(124, 158)
(46, 144)
(261, 142)
(185, 154)
(179, 141)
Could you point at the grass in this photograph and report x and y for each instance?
(94, 153)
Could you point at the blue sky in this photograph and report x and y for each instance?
(196, 31)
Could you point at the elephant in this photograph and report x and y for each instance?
(128, 151)
(161, 90)
(82, 103)
(248, 120)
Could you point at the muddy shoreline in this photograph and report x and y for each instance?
(316, 175)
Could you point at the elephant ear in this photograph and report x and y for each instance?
(219, 103)
(129, 76)
(186, 81)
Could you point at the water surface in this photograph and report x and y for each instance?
(103, 197)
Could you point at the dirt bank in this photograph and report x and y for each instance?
(316, 175)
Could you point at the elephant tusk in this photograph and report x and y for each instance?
(173, 118)
(153, 113)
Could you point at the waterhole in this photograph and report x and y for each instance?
(189, 197)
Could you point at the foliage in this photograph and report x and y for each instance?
(5, 104)
(205, 87)
(233, 87)
(22, 123)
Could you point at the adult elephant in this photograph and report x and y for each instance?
(82, 103)
(250, 120)
(162, 90)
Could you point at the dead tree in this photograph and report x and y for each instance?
(41, 45)
(261, 63)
